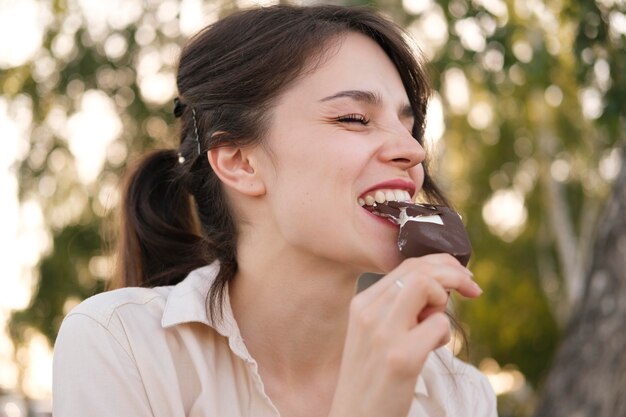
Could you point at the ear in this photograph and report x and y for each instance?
(237, 168)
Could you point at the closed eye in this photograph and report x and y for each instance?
(353, 118)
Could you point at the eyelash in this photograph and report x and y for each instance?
(353, 118)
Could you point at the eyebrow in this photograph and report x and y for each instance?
(368, 97)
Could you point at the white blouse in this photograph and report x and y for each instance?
(154, 352)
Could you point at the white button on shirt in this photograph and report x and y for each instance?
(154, 352)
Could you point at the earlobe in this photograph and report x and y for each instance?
(236, 168)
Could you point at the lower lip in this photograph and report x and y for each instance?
(381, 219)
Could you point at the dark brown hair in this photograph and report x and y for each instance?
(175, 217)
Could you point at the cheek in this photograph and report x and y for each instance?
(310, 209)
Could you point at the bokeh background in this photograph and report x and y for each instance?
(525, 132)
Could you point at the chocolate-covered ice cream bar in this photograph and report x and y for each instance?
(426, 229)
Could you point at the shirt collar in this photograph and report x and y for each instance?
(432, 371)
(187, 303)
(420, 386)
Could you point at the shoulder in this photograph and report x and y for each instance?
(97, 347)
(134, 312)
(103, 326)
(103, 307)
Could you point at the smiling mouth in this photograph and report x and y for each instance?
(377, 203)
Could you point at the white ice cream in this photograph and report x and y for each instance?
(436, 219)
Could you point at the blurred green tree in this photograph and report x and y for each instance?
(532, 97)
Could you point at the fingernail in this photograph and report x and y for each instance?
(477, 288)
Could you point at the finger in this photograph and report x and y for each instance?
(387, 298)
(429, 311)
(403, 307)
(374, 290)
(408, 266)
(455, 278)
(370, 308)
(446, 259)
(431, 334)
(409, 356)
(418, 294)
(447, 270)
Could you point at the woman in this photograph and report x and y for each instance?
(250, 238)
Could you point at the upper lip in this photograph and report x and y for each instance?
(395, 184)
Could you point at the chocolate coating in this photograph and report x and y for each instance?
(418, 238)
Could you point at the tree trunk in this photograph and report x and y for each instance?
(588, 377)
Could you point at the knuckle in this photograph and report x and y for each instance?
(441, 322)
(365, 319)
(440, 297)
(446, 337)
(399, 362)
(450, 260)
(413, 263)
(419, 282)
(443, 258)
(441, 319)
(357, 305)
(420, 267)
(428, 286)
(379, 339)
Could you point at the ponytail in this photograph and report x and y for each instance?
(160, 240)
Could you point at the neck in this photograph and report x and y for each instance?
(292, 312)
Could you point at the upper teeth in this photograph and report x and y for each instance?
(381, 196)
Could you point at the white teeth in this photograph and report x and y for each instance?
(380, 197)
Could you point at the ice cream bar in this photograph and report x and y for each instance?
(427, 229)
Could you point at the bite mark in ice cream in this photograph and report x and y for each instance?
(427, 229)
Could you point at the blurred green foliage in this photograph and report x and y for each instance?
(533, 96)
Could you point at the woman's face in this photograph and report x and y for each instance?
(339, 135)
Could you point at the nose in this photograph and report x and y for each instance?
(402, 150)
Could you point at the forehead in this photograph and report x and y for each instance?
(352, 62)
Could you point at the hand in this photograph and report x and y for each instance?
(393, 326)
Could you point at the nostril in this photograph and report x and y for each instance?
(402, 160)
